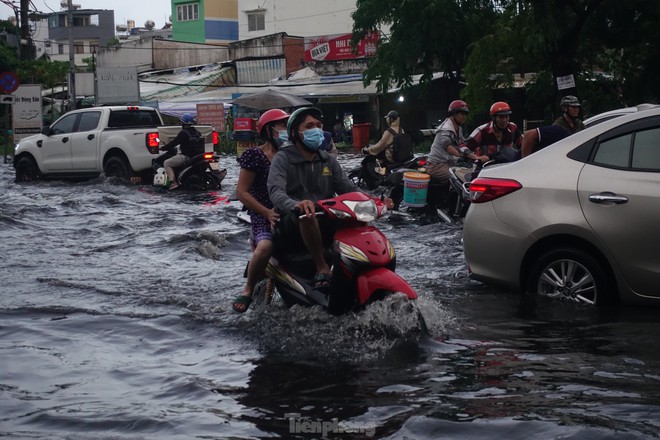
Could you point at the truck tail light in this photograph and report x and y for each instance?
(216, 139)
(484, 189)
(153, 142)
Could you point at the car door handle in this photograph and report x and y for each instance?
(608, 197)
(90, 136)
(65, 140)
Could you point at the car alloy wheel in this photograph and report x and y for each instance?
(569, 274)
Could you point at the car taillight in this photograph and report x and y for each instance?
(484, 189)
(208, 156)
(216, 138)
(153, 142)
(152, 139)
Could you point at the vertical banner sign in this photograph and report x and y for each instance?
(212, 114)
(27, 117)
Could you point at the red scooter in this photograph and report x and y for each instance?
(361, 257)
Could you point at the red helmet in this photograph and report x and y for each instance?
(458, 106)
(272, 115)
(500, 108)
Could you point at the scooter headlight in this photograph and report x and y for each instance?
(365, 211)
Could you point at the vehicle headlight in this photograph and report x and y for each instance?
(365, 211)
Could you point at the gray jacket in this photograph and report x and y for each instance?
(445, 136)
(293, 178)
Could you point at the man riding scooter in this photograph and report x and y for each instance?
(300, 175)
(449, 143)
(173, 158)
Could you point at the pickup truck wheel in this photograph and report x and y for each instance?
(115, 166)
(26, 170)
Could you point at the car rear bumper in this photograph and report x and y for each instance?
(493, 250)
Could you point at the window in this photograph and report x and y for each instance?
(187, 12)
(89, 121)
(256, 21)
(65, 125)
(646, 152)
(94, 47)
(78, 48)
(60, 49)
(133, 118)
(614, 152)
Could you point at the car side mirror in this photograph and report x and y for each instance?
(46, 131)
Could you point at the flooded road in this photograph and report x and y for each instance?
(116, 323)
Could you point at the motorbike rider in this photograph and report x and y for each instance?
(570, 107)
(184, 154)
(448, 143)
(252, 191)
(301, 174)
(498, 139)
(384, 148)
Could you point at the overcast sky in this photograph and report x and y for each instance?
(139, 10)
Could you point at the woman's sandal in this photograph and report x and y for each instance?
(321, 280)
(241, 300)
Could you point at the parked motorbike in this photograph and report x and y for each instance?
(362, 260)
(200, 173)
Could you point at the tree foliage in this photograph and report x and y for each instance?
(609, 47)
(424, 36)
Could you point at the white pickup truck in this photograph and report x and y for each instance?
(118, 141)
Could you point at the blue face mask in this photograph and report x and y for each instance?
(282, 135)
(313, 138)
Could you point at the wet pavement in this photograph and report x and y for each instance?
(117, 323)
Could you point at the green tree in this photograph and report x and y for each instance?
(488, 42)
(425, 36)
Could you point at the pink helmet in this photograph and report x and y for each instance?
(458, 106)
(272, 115)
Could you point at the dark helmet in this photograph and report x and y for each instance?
(269, 116)
(458, 106)
(297, 117)
(187, 119)
(500, 108)
(569, 100)
(393, 115)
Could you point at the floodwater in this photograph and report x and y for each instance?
(116, 324)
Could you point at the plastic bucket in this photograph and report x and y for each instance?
(360, 136)
(415, 188)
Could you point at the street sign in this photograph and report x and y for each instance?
(565, 82)
(9, 82)
(6, 99)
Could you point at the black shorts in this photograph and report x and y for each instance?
(287, 232)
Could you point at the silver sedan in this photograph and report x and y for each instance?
(578, 220)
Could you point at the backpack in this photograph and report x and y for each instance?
(402, 145)
(195, 145)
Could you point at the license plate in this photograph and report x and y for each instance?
(214, 166)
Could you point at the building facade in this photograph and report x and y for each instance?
(301, 18)
(205, 21)
(92, 29)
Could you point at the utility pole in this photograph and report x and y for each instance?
(25, 43)
(72, 61)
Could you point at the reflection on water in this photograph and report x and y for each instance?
(116, 323)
